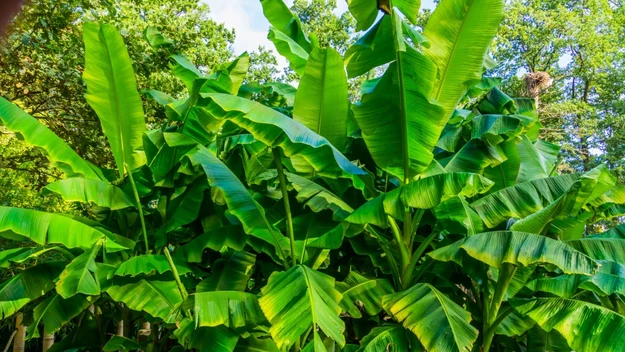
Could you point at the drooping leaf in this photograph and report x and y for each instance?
(228, 236)
(55, 312)
(233, 309)
(612, 249)
(300, 298)
(321, 102)
(585, 326)
(281, 18)
(522, 200)
(27, 286)
(422, 307)
(36, 134)
(230, 273)
(91, 191)
(78, 276)
(112, 93)
(287, 47)
(277, 130)
(148, 263)
(517, 248)
(239, 201)
(514, 325)
(385, 338)
(164, 296)
(44, 228)
(361, 293)
(460, 33)
(120, 343)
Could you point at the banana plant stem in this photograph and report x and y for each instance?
(139, 207)
(403, 250)
(409, 271)
(287, 207)
(506, 273)
(174, 270)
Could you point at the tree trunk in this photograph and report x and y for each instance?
(48, 341)
(120, 328)
(20, 337)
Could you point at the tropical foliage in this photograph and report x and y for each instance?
(428, 216)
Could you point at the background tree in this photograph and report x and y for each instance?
(42, 63)
(568, 56)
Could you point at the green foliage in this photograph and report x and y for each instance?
(427, 216)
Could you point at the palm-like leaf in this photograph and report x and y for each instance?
(585, 326)
(230, 273)
(164, 296)
(34, 133)
(460, 33)
(55, 312)
(112, 93)
(239, 201)
(78, 276)
(233, 309)
(91, 191)
(361, 293)
(44, 228)
(517, 248)
(321, 102)
(383, 338)
(422, 307)
(27, 286)
(298, 299)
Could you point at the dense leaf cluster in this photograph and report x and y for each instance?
(428, 216)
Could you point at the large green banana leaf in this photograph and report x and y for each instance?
(281, 18)
(277, 130)
(375, 48)
(91, 191)
(55, 312)
(455, 216)
(460, 33)
(120, 343)
(230, 273)
(586, 189)
(206, 339)
(383, 337)
(517, 248)
(540, 341)
(298, 299)
(150, 263)
(27, 286)
(287, 47)
(514, 325)
(399, 123)
(612, 249)
(20, 255)
(585, 326)
(164, 296)
(424, 193)
(239, 201)
(78, 277)
(522, 200)
(228, 236)
(361, 293)
(566, 286)
(57, 151)
(537, 159)
(44, 228)
(112, 93)
(185, 70)
(318, 198)
(440, 324)
(233, 309)
(256, 344)
(321, 102)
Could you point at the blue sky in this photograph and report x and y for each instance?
(246, 17)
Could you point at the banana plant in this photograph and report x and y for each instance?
(428, 216)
